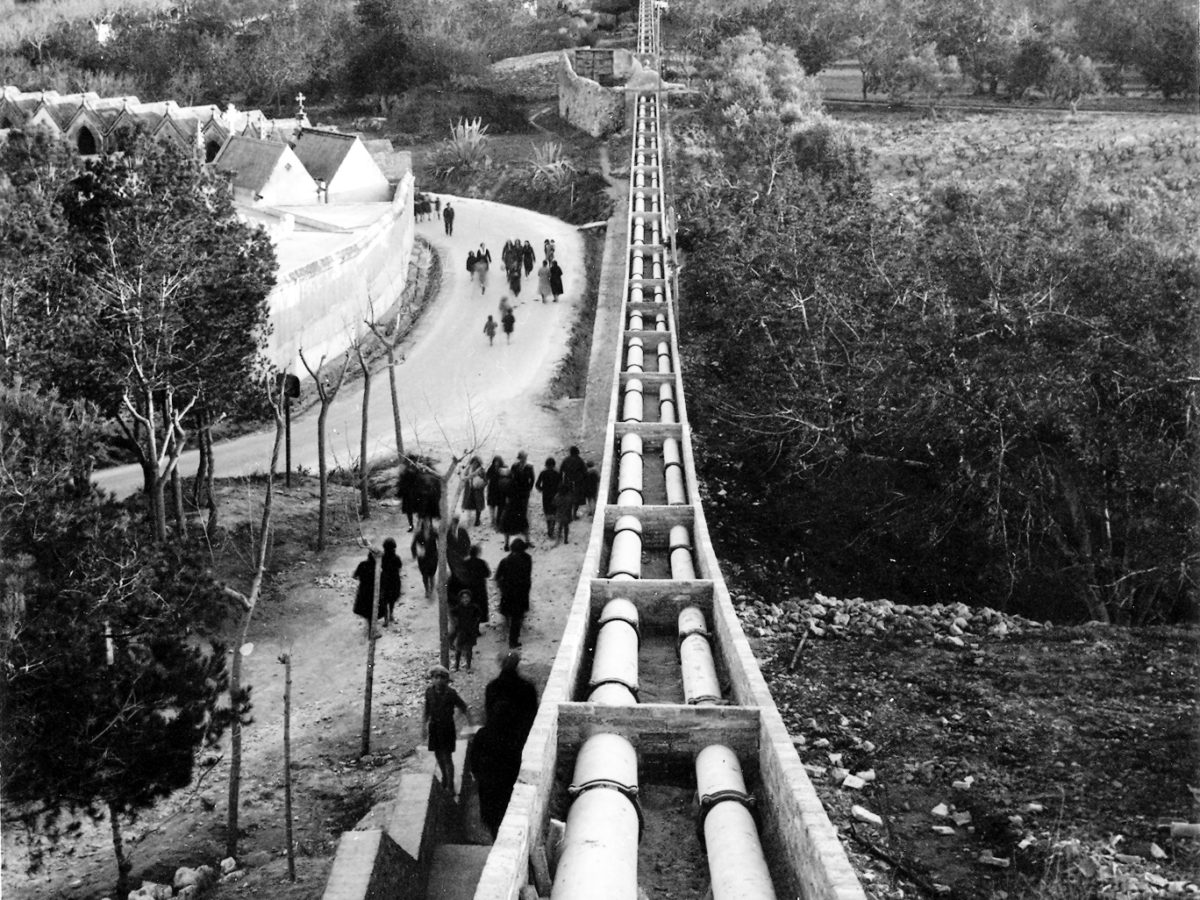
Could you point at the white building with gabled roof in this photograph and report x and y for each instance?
(343, 165)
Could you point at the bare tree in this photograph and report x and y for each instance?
(389, 337)
(364, 504)
(248, 601)
(326, 391)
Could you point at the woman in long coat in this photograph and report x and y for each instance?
(515, 519)
(474, 498)
(556, 285)
(544, 280)
(497, 488)
(425, 551)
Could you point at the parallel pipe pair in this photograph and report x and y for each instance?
(629, 471)
(614, 679)
(600, 843)
(700, 683)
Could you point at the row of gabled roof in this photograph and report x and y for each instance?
(93, 123)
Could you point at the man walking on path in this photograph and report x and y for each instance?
(448, 218)
(514, 575)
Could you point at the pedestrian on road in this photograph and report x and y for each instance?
(514, 576)
(516, 510)
(364, 597)
(471, 264)
(517, 694)
(544, 279)
(489, 328)
(528, 257)
(466, 628)
(564, 512)
(389, 581)
(478, 573)
(458, 548)
(440, 702)
(556, 282)
(497, 488)
(483, 259)
(473, 493)
(548, 248)
(514, 276)
(591, 487)
(548, 482)
(408, 490)
(574, 473)
(507, 324)
(425, 552)
(448, 218)
(495, 763)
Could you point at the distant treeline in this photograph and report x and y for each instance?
(214, 51)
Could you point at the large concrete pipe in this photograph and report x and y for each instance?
(625, 556)
(636, 265)
(659, 294)
(666, 403)
(599, 848)
(639, 230)
(656, 266)
(682, 566)
(631, 409)
(635, 293)
(673, 472)
(639, 180)
(660, 321)
(664, 356)
(639, 201)
(629, 472)
(635, 320)
(615, 660)
(633, 355)
(700, 684)
(736, 863)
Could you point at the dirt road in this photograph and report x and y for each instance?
(456, 390)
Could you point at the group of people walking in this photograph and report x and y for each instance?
(510, 704)
(564, 489)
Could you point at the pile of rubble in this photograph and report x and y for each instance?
(950, 624)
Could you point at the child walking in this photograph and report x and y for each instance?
(489, 328)
(466, 628)
(440, 702)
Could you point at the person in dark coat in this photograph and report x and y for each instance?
(574, 474)
(471, 263)
(548, 482)
(591, 489)
(478, 573)
(495, 763)
(448, 218)
(516, 509)
(458, 548)
(389, 581)
(408, 490)
(507, 322)
(474, 497)
(466, 628)
(514, 576)
(528, 257)
(556, 284)
(483, 260)
(564, 513)
(425, 552)
(364, 596)
(514, 276)
(510, 698)
(440, 702)
(497, 488)
(429, 496)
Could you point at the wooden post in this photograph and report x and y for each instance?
(286, 659)
(372, 633)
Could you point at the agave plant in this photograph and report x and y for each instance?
(465, 150)
(550, 169)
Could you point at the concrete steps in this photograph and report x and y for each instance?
(455, 870)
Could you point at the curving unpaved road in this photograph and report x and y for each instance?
(456, 391)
